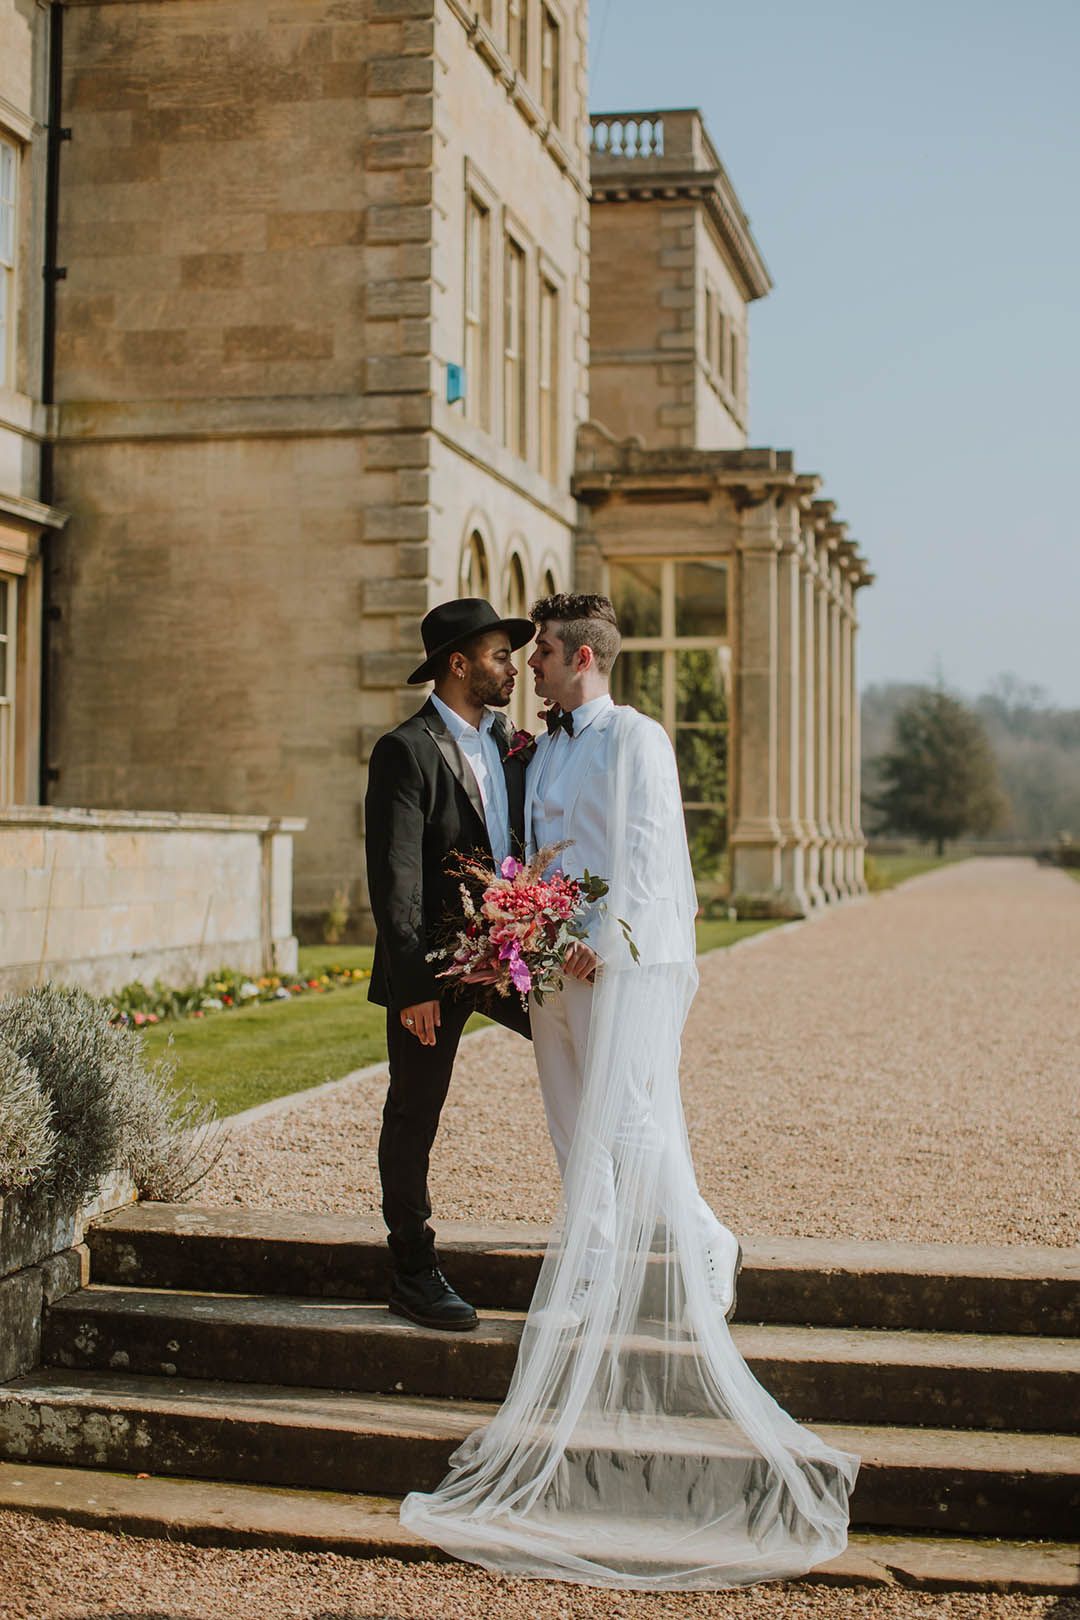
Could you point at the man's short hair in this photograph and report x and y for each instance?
(585, 620)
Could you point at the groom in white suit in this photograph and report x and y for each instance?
(567, 792)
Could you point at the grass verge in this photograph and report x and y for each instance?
(248, 1056)
(886, 871)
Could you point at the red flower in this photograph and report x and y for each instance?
(522, 746)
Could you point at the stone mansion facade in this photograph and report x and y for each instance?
(349, 307)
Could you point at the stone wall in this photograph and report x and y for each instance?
(261, 219)
(102, 898)
(42, 1258)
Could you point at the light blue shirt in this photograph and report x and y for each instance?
(483, 758)
(549, 807)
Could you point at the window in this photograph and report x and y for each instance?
(548, 380)
(475, 578)
(8, 588)
(674, 666)
(548, 586)
(518, 41)
(733, 371)
(477, 312)
(9, 158)
(550, 66)
(514, 420)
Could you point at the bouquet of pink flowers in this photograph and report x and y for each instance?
(517, 925)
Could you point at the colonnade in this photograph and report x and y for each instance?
(796, 836)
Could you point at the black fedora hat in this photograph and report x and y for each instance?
(448, 625)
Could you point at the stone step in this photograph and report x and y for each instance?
(956, 1483)
(207, 1513)
(945, 1288)
(965, 1380)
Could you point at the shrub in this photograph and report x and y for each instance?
(64, 1035)
(110, 1110)
(171, 1139)
(27, 1139)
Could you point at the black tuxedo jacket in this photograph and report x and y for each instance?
(422, 804)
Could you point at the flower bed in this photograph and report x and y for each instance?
(138, 1004)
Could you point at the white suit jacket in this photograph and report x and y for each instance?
(586, 785)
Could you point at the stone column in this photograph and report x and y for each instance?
(858, 840)
(755, 836)
(824, 711)
(808, 708)
(793, 894)
(847, 829)
(836, 711)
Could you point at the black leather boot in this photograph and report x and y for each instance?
(426, 1297)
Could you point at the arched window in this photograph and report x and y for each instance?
(548, 586)
(516, 606)
(475, 579)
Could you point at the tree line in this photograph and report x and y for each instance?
(937, 767)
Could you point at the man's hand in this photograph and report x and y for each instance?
(422, 1021)
(581, 962)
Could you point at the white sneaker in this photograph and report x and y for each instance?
(723, 1262)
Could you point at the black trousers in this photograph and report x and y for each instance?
(419, 1081)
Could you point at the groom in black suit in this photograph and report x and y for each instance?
(440, 783)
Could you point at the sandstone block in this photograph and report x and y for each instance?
(396, 76)
(412, 560)
(277, 343)
(392, 375)
(395, 450)
(398, 224)
(392, 299)
(402, 8)
(385, 669)
(396, 523)
(396, 596)
(315, 228)
(399, 150)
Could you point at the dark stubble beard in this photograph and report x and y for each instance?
(488, 690)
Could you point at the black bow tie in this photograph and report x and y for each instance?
(560, 718)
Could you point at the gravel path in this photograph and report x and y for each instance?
(54, 1572)
(902, 1068)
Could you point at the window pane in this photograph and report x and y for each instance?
(700, 599)
(638, 679)
(706, 833)
(636, 590)
(701, 754)
(700, 681)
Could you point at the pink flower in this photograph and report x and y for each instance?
(510, 867)
(522, 746)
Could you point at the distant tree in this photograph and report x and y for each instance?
(939, 779)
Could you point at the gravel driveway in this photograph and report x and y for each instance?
(905, 1067)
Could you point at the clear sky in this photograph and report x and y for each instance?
(912, 176)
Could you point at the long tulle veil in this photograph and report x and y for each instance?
(635, 1448)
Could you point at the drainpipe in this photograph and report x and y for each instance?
(52, 274)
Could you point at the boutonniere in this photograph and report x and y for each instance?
(522, 746)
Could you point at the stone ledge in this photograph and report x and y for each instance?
(78, 820)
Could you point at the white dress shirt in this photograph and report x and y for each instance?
(549, 804)
(482, 755)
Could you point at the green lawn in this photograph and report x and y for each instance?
(250, 1055)
(714, 935)
(886, 871)
(1073, 871)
